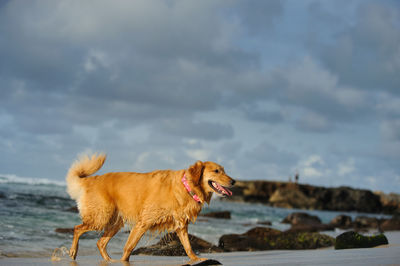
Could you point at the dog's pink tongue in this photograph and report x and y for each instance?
(228, 192)
(224, 189)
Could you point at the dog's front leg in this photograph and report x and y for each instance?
(184, 238)
(136, 234)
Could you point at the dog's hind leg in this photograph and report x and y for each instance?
(136, 234)
(109, 232)
(78, 231)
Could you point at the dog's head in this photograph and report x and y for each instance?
(211, 177)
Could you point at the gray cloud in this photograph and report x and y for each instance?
(195, 130)
(268, 153)
(258, 17)
(366, 54)
(313, 122)
(303, 86)
(391, 129)
(257, 112)
(160, 84)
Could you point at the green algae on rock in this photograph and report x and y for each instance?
(261, 238)
(353, 239)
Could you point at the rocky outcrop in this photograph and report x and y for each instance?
(310, 228)
(252, 240)
(268, 223)
(353, 239)
(391, 224)
(291, 198)
(364, 222)
(258, 238)
(296, 218)
(303, 222)
(218, 215)
(170, 245)
(255, 191)
(292, 195)
(342, 222)
(64, 230)
(261, 238)
(390, 202)
(73, 209)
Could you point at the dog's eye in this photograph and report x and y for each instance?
(216, 171)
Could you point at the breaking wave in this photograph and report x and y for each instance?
(14, 179)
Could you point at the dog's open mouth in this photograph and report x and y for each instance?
(221, 190)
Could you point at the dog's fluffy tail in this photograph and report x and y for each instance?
(85, 166)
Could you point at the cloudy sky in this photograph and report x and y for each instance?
(266, 88)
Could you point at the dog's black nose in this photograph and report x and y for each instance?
(233, 182)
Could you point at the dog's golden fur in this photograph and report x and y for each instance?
(155, 201)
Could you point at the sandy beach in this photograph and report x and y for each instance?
(382, 255)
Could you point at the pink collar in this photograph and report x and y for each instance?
(186, 184)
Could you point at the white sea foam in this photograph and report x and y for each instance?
(11, 178)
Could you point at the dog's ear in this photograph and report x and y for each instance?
(196, 171)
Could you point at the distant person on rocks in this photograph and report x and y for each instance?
(296, 177)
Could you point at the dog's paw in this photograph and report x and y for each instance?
(72, 254)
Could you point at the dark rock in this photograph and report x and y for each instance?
(73, 209)
(344, 199)
(262, 232)
(64, 230)
(264, 223)
(170, 245)
(304, 222)
(218, 215)
(235, 242)
(261, 238)
(342, 221)
(347, 199)
(310, 228)
(304, 240)
(301, 218)
(353, 239)
(204, 262)
(364, 222)
(252, 240)
(391, 224)
(360, 223)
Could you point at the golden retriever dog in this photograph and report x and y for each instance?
(156, 201)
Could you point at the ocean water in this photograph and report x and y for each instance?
(31, 210)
